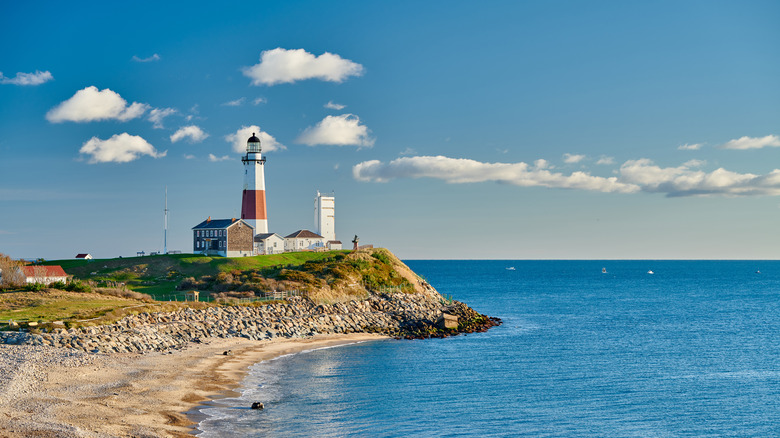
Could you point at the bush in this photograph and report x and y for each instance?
(34, 287)
(78, 286)
(58, 285)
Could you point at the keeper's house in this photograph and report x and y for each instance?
(225, 237)
(303, 240)
(269, 243)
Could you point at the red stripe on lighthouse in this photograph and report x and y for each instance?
(253, 205)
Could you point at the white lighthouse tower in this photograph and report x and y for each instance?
(253, 203)
(325, 215)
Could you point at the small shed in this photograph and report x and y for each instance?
(85, 256)
(192, 296)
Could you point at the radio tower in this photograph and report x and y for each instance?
(253, 202)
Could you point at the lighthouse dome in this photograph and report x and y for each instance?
(253, 144)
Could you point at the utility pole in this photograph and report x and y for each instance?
(165, 235)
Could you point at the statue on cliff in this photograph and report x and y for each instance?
(355, 243)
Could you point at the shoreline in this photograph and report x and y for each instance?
(52, 392)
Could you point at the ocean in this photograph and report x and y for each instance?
(690, 350)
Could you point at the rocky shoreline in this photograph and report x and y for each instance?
(401, 315)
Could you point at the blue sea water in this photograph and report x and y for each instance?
(691, 350)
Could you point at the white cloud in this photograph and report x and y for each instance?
(154, 57)
(267, 142)
(37, 78)
(215, 158)
(408, 151)
(120, 148)
(684, 181)
(286, 66)
(156, 116)
(634, 176)
(337, 130)
(189, 157)
(237, 102)
(605, 161)
(572, 159)
(690, 147)
(90, 104)
(752, 142)
(335, 106)
(192, 132)
(460, 170)
(259, 100)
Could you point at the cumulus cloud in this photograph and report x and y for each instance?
(335, 106)
(340, 130)
(157, 115)
(752, 142)
(279, 66)
(690, 147)
(685, 181)
(91, 104)
(572, 159)
(215, 158)
(154, 57)
(267, 142)
(192, 132)
(605, 161)
(633, 176)
(237, 102)
(461, 170)
(120, 148)
(37, 78)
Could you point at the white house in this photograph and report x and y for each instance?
(333, 245)
(269, 243)
(302, 240)
(84, 256)
(44, 274)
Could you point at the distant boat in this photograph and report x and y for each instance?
(603, 270)
(650, 272)
(511, 268)
(758, 272)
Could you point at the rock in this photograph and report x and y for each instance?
(257, 405)
(227, 353)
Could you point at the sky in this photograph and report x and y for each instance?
(446, 129)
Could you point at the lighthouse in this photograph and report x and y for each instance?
(253, 202)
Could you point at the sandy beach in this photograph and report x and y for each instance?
(61, 393)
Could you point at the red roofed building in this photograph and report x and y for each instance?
(44, 274)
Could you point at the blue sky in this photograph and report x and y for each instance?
(519, 130)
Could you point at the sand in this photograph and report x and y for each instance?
(50, 392)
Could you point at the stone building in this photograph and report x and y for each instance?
(225, 237)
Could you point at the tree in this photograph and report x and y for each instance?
(10, 272)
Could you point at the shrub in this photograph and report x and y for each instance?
(34, 287)
(78, 286)
(58, 285)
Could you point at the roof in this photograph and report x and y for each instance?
(338, 242)
(218, 224)
(302, 234)
(263, 236)
(253, 139)
(81, 256)
(43, 271)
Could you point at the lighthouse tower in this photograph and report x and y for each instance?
(253, 203)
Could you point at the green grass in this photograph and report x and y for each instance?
(35, 306)
(159, 275)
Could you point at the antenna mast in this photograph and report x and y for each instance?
(165, 238)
